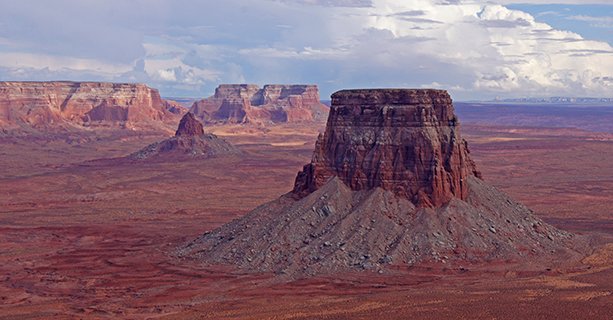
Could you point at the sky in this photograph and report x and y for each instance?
(476, 49)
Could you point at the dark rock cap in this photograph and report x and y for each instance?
(189, 126)
(390, 97)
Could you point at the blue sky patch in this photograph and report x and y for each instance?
(593, 22)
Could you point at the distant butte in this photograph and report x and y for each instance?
(189, 140)
(247, 103)
(391, 185)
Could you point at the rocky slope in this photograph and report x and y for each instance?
(246, 103)
(189, 140)
(83, 104)
(391, 185)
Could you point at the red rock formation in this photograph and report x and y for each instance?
(405, 141)
(189, 140)
(245, 103)
(48, 104)
(391, 185)
(189, 126)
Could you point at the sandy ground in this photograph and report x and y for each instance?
(91, 239)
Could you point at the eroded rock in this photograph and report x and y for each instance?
(189, 140)
(58, 103)
(247, 103)
(405, 141)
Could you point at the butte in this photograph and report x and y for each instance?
(391, 185)
(190, 140)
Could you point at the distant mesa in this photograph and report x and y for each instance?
(190, 140)
(391, 185)
(558, 100)
(63, 104)
(183, 102)
(247, 103)
(174, 107)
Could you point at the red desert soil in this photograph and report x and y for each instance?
(91, 239)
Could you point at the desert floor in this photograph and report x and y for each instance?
(86, 235)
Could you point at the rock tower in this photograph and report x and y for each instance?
(404, 141)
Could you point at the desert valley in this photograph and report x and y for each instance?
(263, 203)
(306, 159)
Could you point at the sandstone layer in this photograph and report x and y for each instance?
(405, 141)
(247, 103)
(189, 140)
(84, 104)
(391, 185)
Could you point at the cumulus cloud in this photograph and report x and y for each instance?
(475, 48)
(333, 3)
(57, 63)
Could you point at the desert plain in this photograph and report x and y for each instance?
(88, 234)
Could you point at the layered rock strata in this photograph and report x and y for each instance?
(405, 141)
(246, 103)
(49, 104)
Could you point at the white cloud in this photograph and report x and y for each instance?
(22, 60)
(167, 63)
(332, 3)
(165, 75)
(306, 53)
(577, 2)
(597, 22)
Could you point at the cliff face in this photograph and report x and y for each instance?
(245, 103)
(43, 104)
(404, 141)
